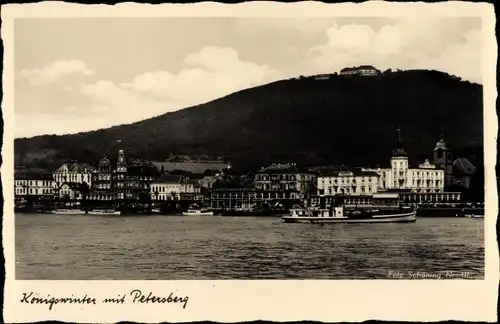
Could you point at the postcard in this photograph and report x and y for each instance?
(252, 161)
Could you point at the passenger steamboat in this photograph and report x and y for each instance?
(379, 212)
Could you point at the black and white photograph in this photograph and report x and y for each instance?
(199, 147)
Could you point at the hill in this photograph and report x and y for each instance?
(341, 120)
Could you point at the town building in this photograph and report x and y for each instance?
(102, 181)
(132, 179)
(208, 181)
(284, 182)
(70, 191)
(362, 70)
(74, 172)
(33, 184)
(33, 190)
(463, 172)
(443, 159)
(426, 178)
(174, 187)
(224, 198)
(191, 165)
(124, 183)
(347, 182)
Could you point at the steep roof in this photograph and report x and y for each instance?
(72, 185)
(279, 168)
(169, 179)
(399, 152)
(192, 167)
(356, 172)
(355, 68)
(33, 176)
(441, 145)
(464, 166)
(76, 167)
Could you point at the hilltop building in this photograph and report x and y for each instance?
(322, 77)
(362, 70)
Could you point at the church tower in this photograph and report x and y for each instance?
(121, 164)
(443, 158)
(399, 166)
(120, 176)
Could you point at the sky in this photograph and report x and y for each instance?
(81, 74)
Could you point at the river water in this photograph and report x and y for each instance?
(50, 247)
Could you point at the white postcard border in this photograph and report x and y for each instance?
(244, 300)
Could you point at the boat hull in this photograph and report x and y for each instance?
(394, 218)
(98, 213)
(474, 216)
(68, 212)
(198, 214)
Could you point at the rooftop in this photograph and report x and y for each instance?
(197, 167)
(354, 172)
(74, 166)
(283, 168)
(441, 145)
(167, 178)
(464, 166)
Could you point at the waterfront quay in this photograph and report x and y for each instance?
(439, 188)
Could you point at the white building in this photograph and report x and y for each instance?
(171, 187)
(347, 182)
(285, 181)
(362, 70)
(70, 190)
(425, 179)
(33, 185)
(73, 172)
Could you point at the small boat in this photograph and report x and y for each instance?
(104, 212)
(253, 211)
(474, 215)
(68, 211)
(194, 210)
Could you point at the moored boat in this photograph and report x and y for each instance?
(194, 210)
(104, 212)
(471, 213)
(474, 215)
(68, 211)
